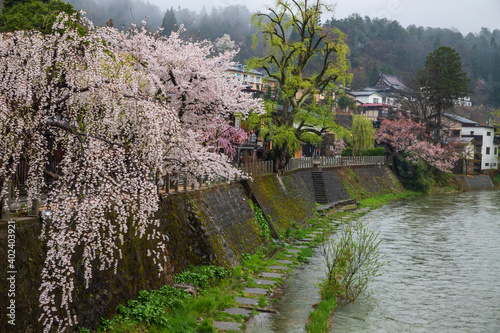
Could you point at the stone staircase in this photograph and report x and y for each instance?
(319, 186)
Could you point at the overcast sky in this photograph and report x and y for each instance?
(464, 15)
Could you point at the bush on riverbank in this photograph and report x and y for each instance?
(177, 311)
(352, 260)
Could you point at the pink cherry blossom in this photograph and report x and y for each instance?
(121, 106)
(410, 138)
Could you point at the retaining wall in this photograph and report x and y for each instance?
(209, 226)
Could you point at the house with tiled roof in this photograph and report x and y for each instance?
(391, 87)
(487, 145)
(365, 96)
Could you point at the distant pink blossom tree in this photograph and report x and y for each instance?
(339, 146)
(120, 106)
(409, 138)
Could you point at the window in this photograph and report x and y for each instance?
(486, 164)
(375, 100)
(496, 151)
(471, 132)
(487, 150)
(488, 133)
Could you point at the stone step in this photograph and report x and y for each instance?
(293, 251)
(265, 282)
(279, 267)
(238, 311)
(227, 325)
(270, 275)
(286, 262)
(247, 301)
(256, 291)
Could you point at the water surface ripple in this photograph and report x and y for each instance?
(443, 273)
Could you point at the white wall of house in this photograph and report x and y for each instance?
(372, 98)
(489, 151)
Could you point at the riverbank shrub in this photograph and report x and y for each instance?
(203, 276)
(352, 260)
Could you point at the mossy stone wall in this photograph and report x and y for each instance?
(135, 272)
(208, 226)
(286, 200)
(214, 226)
(366, 181)
(334, 188)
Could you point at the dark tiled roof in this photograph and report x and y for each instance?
(461, 119)
(389, 81)
(393, 80)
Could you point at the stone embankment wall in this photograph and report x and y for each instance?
(207, 226)
(480, 182)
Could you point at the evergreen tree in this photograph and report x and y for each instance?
(443, 81)
(32, 14)
(169, 22)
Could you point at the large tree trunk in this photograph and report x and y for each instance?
(280, 160)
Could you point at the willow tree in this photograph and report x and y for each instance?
(295, 39)
(362, 133)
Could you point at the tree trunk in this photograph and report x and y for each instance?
(280, 160)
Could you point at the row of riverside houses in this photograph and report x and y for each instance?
(481, 148)
(381, 101)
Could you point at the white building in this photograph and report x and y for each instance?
(370, 97)
(489, 145)
(464, 101)
(252, 78)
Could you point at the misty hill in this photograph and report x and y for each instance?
(376, 44)
(381, 45)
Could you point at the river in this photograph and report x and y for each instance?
(443, 273)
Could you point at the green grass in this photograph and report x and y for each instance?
(319, 319)
(171, 310)
(378, 201)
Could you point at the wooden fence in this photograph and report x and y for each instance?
(179, 183)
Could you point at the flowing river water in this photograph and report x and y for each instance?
(443, 273)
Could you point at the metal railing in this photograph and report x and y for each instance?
(262, 168)
(177, 182)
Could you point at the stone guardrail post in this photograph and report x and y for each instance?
(35, 209)
(177, 184)
(6, 212)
